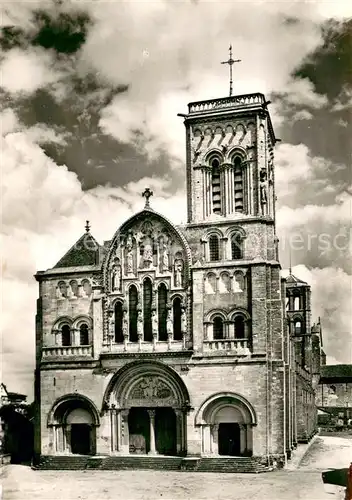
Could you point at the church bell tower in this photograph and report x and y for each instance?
(230, 145)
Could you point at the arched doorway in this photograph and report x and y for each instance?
(226, 421)
(148, 402)
(73, 419)
(79, 426)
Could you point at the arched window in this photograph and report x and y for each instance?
(298, 327)
(238, 174)
(236, 246)
(296, 303)
(215, 186)
(118, 322)
(239, 327)
(177, 318)
(87, 288)
(162, 311)
(74, 288)
(133, 300)
(66, 336)
(214, 247)
(147, 309)
(218, 328)
(83, 334)
(62, 289)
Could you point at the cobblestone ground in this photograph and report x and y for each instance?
(22, 483)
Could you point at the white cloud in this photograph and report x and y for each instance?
(168, 63)
(303, 114)
(25, 71)
(344, 100)
(302, 179)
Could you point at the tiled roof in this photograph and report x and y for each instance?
(291, 279)
(342, 373)
(85, 252)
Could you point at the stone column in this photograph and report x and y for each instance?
(124, 436)
(151, 414)
(243, 438)
(58, 338)
(113, 430)
(214, 439)
(206, 439)
(179, 430)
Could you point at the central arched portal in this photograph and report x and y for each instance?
(148, 403)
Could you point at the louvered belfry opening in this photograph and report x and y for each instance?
(216, 186)
(238, 173)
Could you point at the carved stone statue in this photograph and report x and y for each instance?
(263, 191)
(154, 323)
(124, 324)
(178, 271)
(151, 388)
(115, 278)
(139, 325)
(129, 256)
(148, 252)
(111, 329)
(164, 254)
(169, 323)
(183, 320)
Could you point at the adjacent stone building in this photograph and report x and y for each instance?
(175, 340)
(334, 395)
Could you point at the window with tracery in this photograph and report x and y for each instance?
(218, 328)
(177, 318)
(133, 301)
(66, 336)
(214, 253)
(147, 309)
(83, 334)
(118, 322)
(216, 186)
(238, 187)
(162, 311)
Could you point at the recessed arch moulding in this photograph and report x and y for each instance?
(146, 384)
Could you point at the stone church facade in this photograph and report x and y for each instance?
(175, 340)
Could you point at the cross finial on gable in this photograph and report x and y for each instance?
(87, 226)
(147, 193)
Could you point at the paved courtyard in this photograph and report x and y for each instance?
(304, 482)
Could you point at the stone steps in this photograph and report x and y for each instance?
(219, 464)
(231, 465)
(142, 463)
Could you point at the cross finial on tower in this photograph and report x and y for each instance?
(147, 193)
(87, 226)
(231, 62)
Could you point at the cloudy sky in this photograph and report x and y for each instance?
(90, 92)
